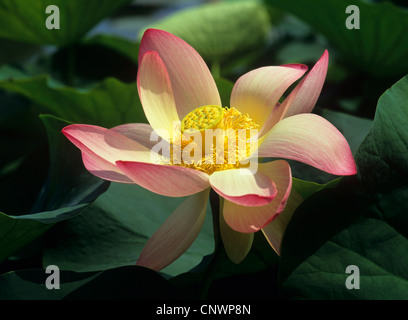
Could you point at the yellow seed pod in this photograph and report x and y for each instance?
(202, 118)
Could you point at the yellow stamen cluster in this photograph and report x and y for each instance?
(231, 128)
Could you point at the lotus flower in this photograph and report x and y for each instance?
(176, 86)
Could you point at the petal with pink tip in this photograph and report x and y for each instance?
(192, 83)
(275, 230)
(101, 148)
(237, 245)
(176, 234)
(103, 169)
(310, 139)
(155, 93)
(303, 97)
(258, 91)
(251, 219)
(139, 132)
(167, 180)
(243, 186)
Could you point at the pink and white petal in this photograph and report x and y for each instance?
(310, 139)
(140, 132)
(167, 180)
(106, 144)
(275, 230)
(155, 93)
(258, 91)
(304, 97)
(176, 234)
(244, 187)
(251, 219)
(103, 169)
(191, 80)
(237, 245)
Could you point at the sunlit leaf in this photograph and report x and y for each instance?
(212, 29)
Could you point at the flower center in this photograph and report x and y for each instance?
(224, 134)
(202, 118)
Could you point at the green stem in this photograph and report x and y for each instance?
(209, 271)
